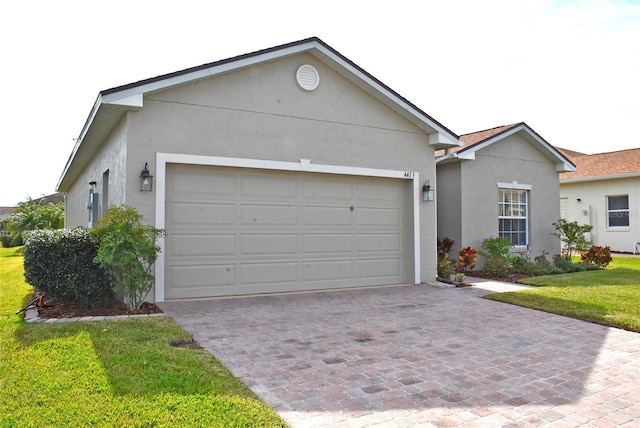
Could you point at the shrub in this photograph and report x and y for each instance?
(566, 264)
(127, 251)
(466, 259)
(495, 250)
(445, 268)
(60, 263)
(444, 247)
(597, 255)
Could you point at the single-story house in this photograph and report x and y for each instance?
(604, 192)
(501, 182)
(286, 169)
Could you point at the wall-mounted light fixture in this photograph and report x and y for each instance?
(92, 186)
(146, 179)
(427, 191)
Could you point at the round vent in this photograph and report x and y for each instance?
(307, 77)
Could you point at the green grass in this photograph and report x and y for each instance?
(110, 373)
(610, 296)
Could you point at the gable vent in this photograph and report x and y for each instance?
(308, 77)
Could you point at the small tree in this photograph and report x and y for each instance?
(127, 250)
(32, 215)
(572, 235)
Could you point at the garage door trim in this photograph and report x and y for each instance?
(305, 165)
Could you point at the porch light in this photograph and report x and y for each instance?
(427, 192)
(146, 179)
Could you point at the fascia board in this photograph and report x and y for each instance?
(600, 178)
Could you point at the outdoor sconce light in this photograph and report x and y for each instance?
(146, 179)
(92, 185)
(427, 192)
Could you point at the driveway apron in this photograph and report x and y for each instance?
(419, 356)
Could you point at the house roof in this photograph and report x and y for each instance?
(112, 104)
(602, 166)
(475, 141)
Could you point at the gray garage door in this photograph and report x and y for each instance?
(233, 231)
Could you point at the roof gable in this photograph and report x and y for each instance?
(602, 166)
(473, 142)
(112, 104)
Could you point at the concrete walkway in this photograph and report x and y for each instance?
(420, 356)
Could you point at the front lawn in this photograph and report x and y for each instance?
(610, 296)
(110, 373)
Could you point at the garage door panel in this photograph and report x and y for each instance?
(203, 276)
(190, 246)
(263, 214)
(267, 187)
(327, 270)
(250, 231)
(268, 273)
(199, 214)
(268, 244)
(379, 269)
(379, 217)
(210, 185)
(328, 243)
(379, 242)
(322, 190)
(378, 191)
(326, 216)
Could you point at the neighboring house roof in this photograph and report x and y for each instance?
(475, 141)
(602, 166)
(112, 104)
(54, 198)
(6, 211)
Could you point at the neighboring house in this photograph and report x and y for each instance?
(501, 182)
(4, 213)
(286, 169)
(604, 192)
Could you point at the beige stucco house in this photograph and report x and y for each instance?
(285, 169)
(501, 182)
(604, 192)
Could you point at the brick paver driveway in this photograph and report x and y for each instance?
(420, 356)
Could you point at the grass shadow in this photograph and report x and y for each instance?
(135, 355)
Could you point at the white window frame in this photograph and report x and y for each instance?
(522, 188)
(609, 211)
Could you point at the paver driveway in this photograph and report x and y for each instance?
(419, 356)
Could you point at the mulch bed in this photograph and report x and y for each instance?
(514, 277)
(116, 308)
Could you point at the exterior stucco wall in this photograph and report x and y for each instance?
(592, 209)
(449, 202)
(511, 159)
(110, 157)
(261, 113)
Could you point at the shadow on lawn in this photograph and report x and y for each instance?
(136, 356)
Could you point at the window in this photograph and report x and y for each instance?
(512, 216)
(618, 211)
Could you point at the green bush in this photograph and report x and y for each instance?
(566, 264)
(127, 251)
(540, 265)
(60, 263)
(495, 250)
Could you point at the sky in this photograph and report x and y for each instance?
(570, 69)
